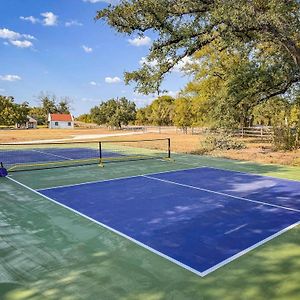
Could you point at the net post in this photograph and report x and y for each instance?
(169, 148)
(100, 155)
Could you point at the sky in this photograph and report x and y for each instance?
(56, 47)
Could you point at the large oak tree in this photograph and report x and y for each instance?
(183, 27)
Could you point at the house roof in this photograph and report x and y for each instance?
(31, 119)
(61, 117)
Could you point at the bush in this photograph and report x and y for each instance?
(285, 138)
(221, 142)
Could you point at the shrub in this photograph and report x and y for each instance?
(285, 138)
(220, 142)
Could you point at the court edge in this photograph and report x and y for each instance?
(201, 274)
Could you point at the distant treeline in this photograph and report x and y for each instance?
(186, 112)
(12, 113)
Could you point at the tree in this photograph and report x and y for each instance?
(272, 112)
(50, 105)
(63, 106)
(21, 113)
(114, 112)
(141, 116)
(12, 113)
(270, 29)
(160, 111)
(86, 118)
(183, 116)
(6, 110)
(38, 114)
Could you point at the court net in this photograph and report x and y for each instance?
(37, 156)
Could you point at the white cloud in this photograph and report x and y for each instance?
(10, 77)
(173, 94)
(181, 64)
(73, 23)
(21, 44)
(140, 41)
(87, 49)
(50, 19)
(177, 68)
(112, 79)
(145, 61)
(31, 19)
(2, 90)
(29, 37)
(9, 34)
(15, 38)
(93, 83)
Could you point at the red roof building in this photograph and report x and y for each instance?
(61, 121)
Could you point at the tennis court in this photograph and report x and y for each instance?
(186, 217)
(176, 219)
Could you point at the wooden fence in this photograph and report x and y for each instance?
(261, 132)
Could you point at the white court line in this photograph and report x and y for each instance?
(220, 193)
(201, 274)
(118, 178)
(110, 228)
(243, 252)
(46, 153)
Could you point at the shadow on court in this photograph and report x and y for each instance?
(48, 252)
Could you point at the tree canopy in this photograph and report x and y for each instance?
(12, 113)
(49, 104)
(266, 32)
(114, 112)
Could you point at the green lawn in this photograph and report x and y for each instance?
(48, 252)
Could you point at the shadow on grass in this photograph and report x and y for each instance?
(270, 272)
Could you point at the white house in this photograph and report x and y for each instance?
(60, 121)
(30, 123)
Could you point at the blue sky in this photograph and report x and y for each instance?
(56, 46)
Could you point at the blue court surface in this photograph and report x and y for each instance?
(200, 218)
(44, 155)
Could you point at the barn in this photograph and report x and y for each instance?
(61, 121)
(30, 123)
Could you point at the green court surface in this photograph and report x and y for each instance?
(49, 252)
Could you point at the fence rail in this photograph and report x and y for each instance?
(261, 132)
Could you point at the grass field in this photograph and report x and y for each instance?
(48, 252)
